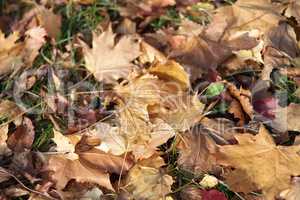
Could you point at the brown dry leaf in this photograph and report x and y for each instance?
(283, 38)
(22, 139)
(188, 27)
(243, 15)
(139, 134)
(222, 129)
(195, 152)
(180, 110)
(63, 170)
(40, 16)
(293, 10)
(146, 181)
(253, 169)
(236, 109)
(281, 47)
(287, 118)
(243, 97)
(108, 61)
(14, 54)
(135, 8)
(9, 52)
(109, 163)
(34, 41)
(293, 193)
(92, 166)
(10, 111)
(197, 54)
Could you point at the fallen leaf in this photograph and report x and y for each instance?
(4, 150)
(252, 157)
(171, 70)
(63, 143)
(92, 166)
(98, 60)
(40, 16)
(283, 38)
(293, 10)
(244, 15)
(293, 192)
(109, 163)
(286, 119)
(34, 41)
(196, 151)
(14, 54)
(150, 55)
(243, 97)
(198, 54)
(236, 109)
(147, 182)
(22, 139)
(10, 111)
(9, 52)
(63, 170)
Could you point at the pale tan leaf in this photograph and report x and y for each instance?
(287, 118)
(10, 52)
(63, 143)
(251, 160)
(108, 60)
(4, 150)
(293, 10)
(146, 182)
(243, 15)
(292, 193)
(34, 41)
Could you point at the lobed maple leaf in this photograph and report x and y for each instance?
(108, 61)
(253, 169)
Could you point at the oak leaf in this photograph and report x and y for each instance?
(253, 169)
(108, 61)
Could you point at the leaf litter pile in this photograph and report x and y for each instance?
(150, 99)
